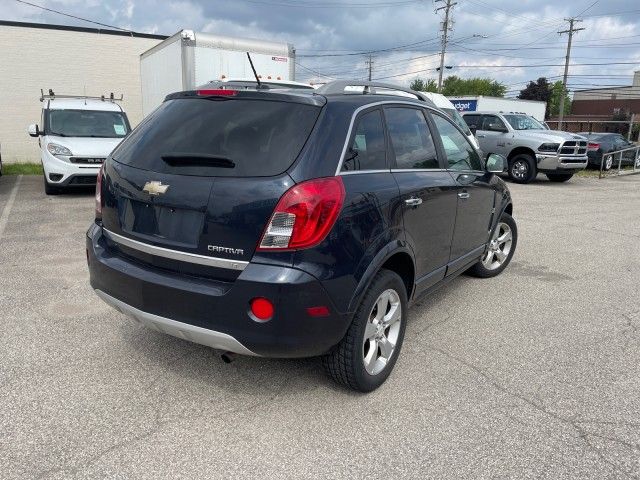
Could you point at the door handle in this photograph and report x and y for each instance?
(464, 195)
(413, 202)
(481, 136)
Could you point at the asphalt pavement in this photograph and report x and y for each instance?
(533, 374)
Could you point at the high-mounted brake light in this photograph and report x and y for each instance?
(593, 146)
(99, 193)
(219, 92)
(304, 215)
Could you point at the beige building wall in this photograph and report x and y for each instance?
(69, 62)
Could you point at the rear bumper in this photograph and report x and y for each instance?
(553, 162)
(216, 313)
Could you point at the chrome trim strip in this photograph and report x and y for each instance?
(360, 172)
(175, 254)
(400, 170)
(203, 336)
(371, 105)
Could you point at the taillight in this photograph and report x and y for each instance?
(304, 215)
(99, 193)
(220, 92)
(593, 146)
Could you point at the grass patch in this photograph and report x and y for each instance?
(22, 169)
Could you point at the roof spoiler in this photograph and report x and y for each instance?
(51, 95)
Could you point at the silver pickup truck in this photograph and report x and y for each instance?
(528, 145)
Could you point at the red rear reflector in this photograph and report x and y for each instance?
(318, 311)
(593, 146)
(262, 309)
(304, 215)
(217, 92)
(99, 192)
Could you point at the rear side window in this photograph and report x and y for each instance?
(472, 120)
(219, 137)
(411, 139)
(368, 149)
(460, 154)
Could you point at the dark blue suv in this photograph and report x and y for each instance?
(285, 223)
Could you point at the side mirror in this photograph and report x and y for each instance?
(33, 130)
(473, 129)
(496, 163)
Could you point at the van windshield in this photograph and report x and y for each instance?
(87, 123)
(214, 137)
(457, 118)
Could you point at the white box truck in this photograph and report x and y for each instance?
(189, 59)
(497, 104)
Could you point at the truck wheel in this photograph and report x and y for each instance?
(559, 177)
(50, 189)
(502, 246)
(366, 355)
(522, 168)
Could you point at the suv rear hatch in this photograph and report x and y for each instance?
(193, 186)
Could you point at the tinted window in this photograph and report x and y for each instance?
(460, 154)
(368, 149)
(411, 138)
(213, 137)
(491, 122)
(87, 123)
(472, 120)
(457, 118)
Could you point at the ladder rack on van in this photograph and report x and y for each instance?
(52, 96)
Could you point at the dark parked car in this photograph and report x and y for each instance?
(602, 143)
(295, 224)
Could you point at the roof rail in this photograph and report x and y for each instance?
(52, 96)
(361, 87)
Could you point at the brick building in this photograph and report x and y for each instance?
(607, 102)
(69, 60)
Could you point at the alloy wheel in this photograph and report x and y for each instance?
(499, 247)
(520, 169)
(381, 332)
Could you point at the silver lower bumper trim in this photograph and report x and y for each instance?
(203, 336)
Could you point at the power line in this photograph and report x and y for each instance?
(298, 4)
(73, 16)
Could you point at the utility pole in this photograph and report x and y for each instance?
(445, 36)
(370, 65)
(563, 94)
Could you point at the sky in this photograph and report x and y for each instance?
(509, 41)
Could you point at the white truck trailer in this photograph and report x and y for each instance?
(189, 59)
(496, 104)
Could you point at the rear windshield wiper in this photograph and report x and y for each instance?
(178, 159)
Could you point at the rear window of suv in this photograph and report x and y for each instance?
(219, 137)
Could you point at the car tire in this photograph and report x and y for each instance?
(502, 246)
(522, 168)
(50, 189)
(607, 163)
(559, 177)
(353, 363)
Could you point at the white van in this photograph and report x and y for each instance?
(446, 106)
(75, 136)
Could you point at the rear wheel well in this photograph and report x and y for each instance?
(402, 264)
(519, 150)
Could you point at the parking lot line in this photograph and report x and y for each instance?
(7, 209)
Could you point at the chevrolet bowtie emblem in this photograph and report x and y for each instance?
(155, 188)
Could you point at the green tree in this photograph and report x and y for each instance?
(455, 86)
(557, 93)
(420, 85)
(540, 90)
